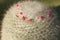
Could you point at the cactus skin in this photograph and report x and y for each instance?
(14, 28)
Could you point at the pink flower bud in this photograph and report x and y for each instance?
(30, 20)
(23, 18)
(41, 17)
(21, 13)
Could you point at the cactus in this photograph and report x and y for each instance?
(29, 20)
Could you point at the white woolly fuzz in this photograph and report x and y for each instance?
(28, 21)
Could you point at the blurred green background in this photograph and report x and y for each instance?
(5, 4)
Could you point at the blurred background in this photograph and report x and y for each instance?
(5, 4)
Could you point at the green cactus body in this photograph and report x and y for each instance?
(29, 21)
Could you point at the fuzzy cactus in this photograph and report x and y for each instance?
(29, 20)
